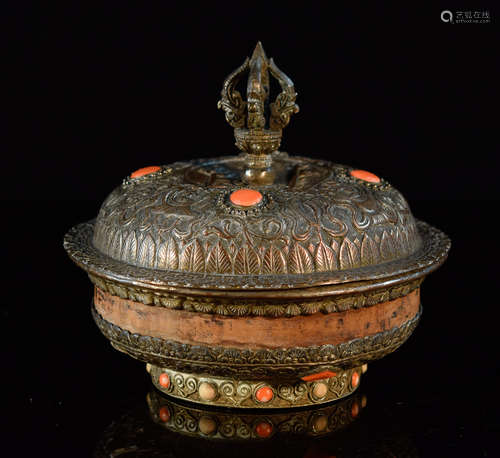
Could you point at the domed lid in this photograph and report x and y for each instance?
(258, 220)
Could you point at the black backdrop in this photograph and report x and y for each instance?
(95, 91)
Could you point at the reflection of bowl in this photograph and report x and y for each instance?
(225, 425)
(164, 428)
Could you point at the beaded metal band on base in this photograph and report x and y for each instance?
(223, 425)
(251, 394)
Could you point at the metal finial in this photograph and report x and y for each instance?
(257, 88)
(258, 132)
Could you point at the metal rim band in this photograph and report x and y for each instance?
(78, 244)
(275, 309)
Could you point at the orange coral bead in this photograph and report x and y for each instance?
(164, 380)
(355, 379)
(164, 414)
(145, 171)
(264, 394)
(264, 429)
(366, 176)
(245, 197)
(319, 376)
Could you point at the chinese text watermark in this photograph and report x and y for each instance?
(466, 17)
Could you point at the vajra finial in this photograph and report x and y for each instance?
(257, 125)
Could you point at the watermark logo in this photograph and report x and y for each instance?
(446, 16)
(466, 17)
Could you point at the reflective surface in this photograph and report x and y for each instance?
(69, 393)
(237, 425)
(168, 428)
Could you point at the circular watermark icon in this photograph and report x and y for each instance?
(446, 16)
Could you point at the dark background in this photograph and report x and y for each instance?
(95, 91)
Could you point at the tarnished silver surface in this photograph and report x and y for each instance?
(326, 221)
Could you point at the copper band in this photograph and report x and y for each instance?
(255, 332)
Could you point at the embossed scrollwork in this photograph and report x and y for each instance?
(244, 390)
(292, 393)
(186, 238)
(227, 389)
(178, 227)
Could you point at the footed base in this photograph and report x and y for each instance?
(250, 394)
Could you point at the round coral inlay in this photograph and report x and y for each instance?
(145, 171)
(264, 394)
(320, 390)
(207, 391)
(164, 414)
(366, 176)
(264, 429)
(164, 380)
(245, 197)
(355, 379)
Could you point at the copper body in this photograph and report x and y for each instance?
(256, 332)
